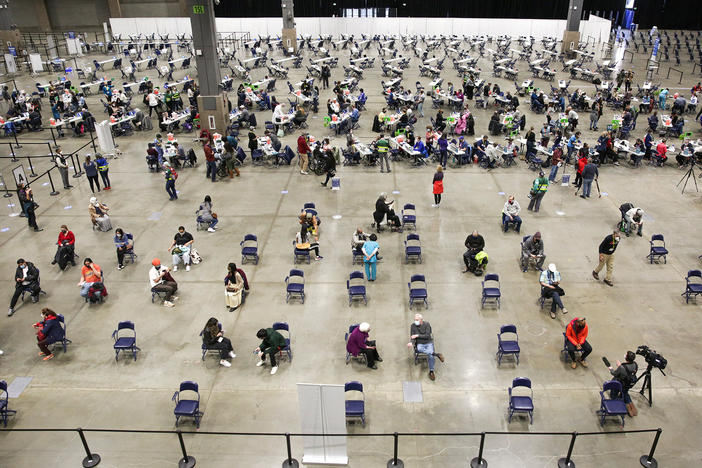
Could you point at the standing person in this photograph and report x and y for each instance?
(62, 165)
(91, 173)
(104, 170)
(153, 102)
(205, 214)
(625, 373)
(271, 343)
(329, 165)
(556, 159)
(423, 341)
(26, 278)
(304, 150)
(66, 246)
(161, 281)
(253, 141)
(211, 162)
(443, 150)
(576, 340)
(606, 257)
(370, 256)
(233, 288)
(171, 175)
(358, 343)
(382, 146)
(595, 116)
(510, 214)
(49, 331)
(123, 243)
(90, 273)
(29, 206)
(538, 190)
(438, 185)
(582, 162)
(589, 174)
(326, 73)
(550, 280)
(213, 338)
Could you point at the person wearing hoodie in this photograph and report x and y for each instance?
(49, 331)
(103, 170)
(576, 340)
(271, 343)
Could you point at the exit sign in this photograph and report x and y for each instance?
(199, 9)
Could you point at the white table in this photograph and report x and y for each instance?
(283, 60)
(430, 60)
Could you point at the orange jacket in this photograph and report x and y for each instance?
(577, 338)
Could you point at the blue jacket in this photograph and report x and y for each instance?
(51, 329)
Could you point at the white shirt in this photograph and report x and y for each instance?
(278, 112)
(573, 115)
(155, 276)
(153, 100)
(493, 153)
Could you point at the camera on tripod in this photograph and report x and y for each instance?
(652, 358)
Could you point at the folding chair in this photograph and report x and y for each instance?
(507, 347)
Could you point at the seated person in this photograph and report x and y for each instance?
(359, 237)
(494, 155)
(550, 288)
(533, 250)
(90, 274)
(123, 243)
(474, 244)
(661, 150)
(26, 279)
(180, 248)
(422, 341)
(576, 340)
(480, 147)
(653, 121)
(421, 149)
(634, 218)
(49, 331)
(309, 221)
(625, 373)
(510, 214)
(383, 209)
(161, 281)
(213, 338)
(271, 343)
(66, 244)
(235, 285)
(358, 343)
(34, 120)
(205, 214)
(300, 116)
(99, 216)
(302, 242)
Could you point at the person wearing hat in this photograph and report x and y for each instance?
(358, 343)
(538, 190)
(634, 217)
(550, 288)
(533, 251)
(162, 282)
(576, 340)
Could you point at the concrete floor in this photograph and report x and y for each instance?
(86, 387)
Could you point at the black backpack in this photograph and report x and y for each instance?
(630, 379)
(191, 157)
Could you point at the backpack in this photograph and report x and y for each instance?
(630, 379)
(191, 156)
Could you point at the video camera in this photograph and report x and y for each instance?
(651, 357)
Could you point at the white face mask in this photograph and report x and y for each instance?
(417, 322)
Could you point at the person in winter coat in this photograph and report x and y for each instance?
(576, 340)
(438, 185)
(206, 215)
(26, 278)
(66, 243)
(582, 162)
(271, 343)
(91, 172)
(329, 165)
(358, 343)
(49, 331)
(213, 338)
(103, 169)
(303, 150)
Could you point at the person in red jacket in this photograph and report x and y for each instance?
(576, 340)
(304, 149)
(579, 171)
(66, 244)
(662, 149)
(49, 331)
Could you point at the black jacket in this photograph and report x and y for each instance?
(608, 245)
(476, 243)
(32, 274)
(381, 206)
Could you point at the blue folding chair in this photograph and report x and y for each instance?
(361, 356)
(125, 343)
(187, 408)
(64, 342)
(507, 347)
(249, 249)
(300, 255)
(295, 285)
(612, 406)
(413, 248)
(129, 253)
(418, 290)
(356, 287)
(205, 348)
(5, 410)
(491, 293)
(521, 403)
(692, 288)
(658, 249)
(309, 206)
(356, 256)
(284, 327)
(355, 409)
(409, 216)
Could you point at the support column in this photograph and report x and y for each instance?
(183, 6)
(8, 33)
(211, 103)
(114, 8)
(289, 34)
(43, 21)
(572, 33)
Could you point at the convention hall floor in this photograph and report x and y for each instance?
(85, 387)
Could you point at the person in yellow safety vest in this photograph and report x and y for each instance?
(538, 190)
(168, 99)
(382, 145)
(170, 176)
(103, 169)
(177, 100)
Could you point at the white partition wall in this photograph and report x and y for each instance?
(323, 411)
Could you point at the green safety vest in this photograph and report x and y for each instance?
(102, 168)
(541, 184)
(382, 146)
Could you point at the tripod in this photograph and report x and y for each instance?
(690, 173)
(647, 384)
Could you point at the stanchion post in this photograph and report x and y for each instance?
(187, 461)
(54, 192)
(290, 462)
(12, 150)
(14, 134)
(92, 139)
(76, 166)
(394, 461)
(567, 462)
(647, 461)
(480, 462)
(31, 168)
(7, 191)
(91, 459)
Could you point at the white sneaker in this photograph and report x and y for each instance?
(2, 352)
(210, 229)
(274, 370)
(260, 363)
(168, 304)
(303, 172)
(187, 267)
(225, 363)
(174, 298)
(175, 267)
(231, 354)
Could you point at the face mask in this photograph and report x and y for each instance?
(24, 267)
(416, 322)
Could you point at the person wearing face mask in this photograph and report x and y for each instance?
(533, 251)
(422, 341)
(90, 273)
(233, 288)
(162, 282)
(49, 331)
(64, 252)
(550, 280)
(26, 278)
(358, 343)
(99, 216)
(510, 214)
(606, 257)
(180, 248)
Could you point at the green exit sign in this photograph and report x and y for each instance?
(199, 9)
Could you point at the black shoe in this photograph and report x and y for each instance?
(38, 229)
(639, 234)
(379, 359)
(323, 184)
(374, 367)
(53, 262)
(73, 263)
(582, 196)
